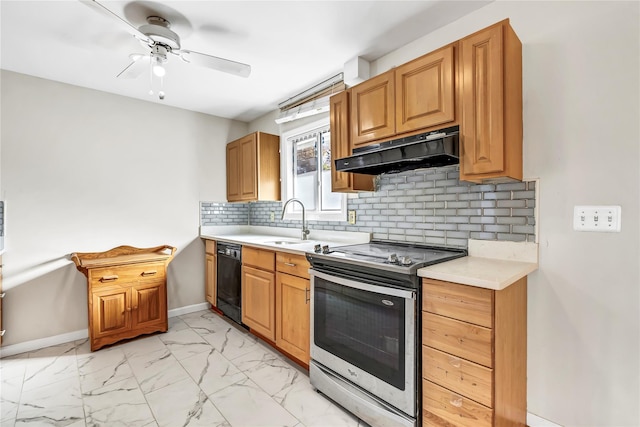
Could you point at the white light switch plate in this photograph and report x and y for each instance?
(597, 218)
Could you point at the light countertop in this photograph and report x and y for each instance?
(289, 238)
(490, 264)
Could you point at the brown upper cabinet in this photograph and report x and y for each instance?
(491, 95)
(425, 91)
(344, 182)
(253, 168)
(372, 110)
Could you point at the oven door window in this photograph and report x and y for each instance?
(363, 328)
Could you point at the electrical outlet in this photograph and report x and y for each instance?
(272, 216)
(352, 217)
(597, 218)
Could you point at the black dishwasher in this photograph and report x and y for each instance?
(229, 278)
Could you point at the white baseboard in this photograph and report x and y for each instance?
(23, 347)
(536, 421)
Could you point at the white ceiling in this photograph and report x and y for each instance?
(290, 45)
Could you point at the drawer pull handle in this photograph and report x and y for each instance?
(149, 273)
(2, 295)
(109, 278)
(290, 264)
(456, 401)
(454, 362)
(307, 296)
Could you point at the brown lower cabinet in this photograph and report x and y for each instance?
(127, 292)
(276, 299)
(474, 351)
(210, 272)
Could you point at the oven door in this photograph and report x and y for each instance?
(366, 333)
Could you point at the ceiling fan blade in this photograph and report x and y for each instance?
(93, 4)
(215, 63)
(136, 68)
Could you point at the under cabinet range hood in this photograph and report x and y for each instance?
(426, 150)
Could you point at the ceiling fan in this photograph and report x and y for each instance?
(162, 41)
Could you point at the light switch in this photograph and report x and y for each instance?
(597, 218)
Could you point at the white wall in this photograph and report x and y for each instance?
(86, 171)
(581, 138)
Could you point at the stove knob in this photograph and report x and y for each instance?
(393, 259)
(317, 248)
(405, 260)
(325, 249)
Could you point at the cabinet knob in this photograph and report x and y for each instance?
(454, 362)
(128, 309)
(2, 295)
(2, 333)
(456, 401)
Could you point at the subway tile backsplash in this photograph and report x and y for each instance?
(428, 206)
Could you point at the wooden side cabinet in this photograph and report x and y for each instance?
(127, 292)
(491, 91)
(211, 287)
(253, 168)
(344, 182)
(474, 355)
(258, 291)
(293, 301)
(425, 95)
(1, 299)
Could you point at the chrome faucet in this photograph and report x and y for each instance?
(305, 230)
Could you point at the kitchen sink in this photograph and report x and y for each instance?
(288, 242)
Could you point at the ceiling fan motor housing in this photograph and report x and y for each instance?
(158, 30)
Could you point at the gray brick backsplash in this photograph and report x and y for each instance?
(428, 206)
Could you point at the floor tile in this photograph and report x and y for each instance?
(142, 346)
(268, 370)
(246, 404)
(184, 404)
(212, 371)
(58, 403)
(185, 343)
(156, 370)
(312, 408)
(120, 403)
(231, 343)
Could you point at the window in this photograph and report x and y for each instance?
(307, 164)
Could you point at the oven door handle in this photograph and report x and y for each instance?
(364, 286)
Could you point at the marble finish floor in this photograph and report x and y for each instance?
(203, 372)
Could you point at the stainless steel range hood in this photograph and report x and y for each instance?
(425, 150)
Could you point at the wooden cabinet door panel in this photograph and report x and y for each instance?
(425, 91)
(111, 311)
(372, 109)
(210, 279)
(466, 303)
(461, 376)
(258, 301)
(471, 342)
(292, 315)
(482, 126)
(233, 172)
(248, 168)
(149, 304)
(441, 407)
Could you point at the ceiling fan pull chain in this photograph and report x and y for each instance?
(161, 93)
(150, 75)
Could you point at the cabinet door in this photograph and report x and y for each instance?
(233, 172)
(210, 278)
(258, 301)
(425, 91)
(292, 315)
(248, 168)
(343, 182)
(1, 298)
(110, 311)
(149, 305)
(372, 109)
(482, 125)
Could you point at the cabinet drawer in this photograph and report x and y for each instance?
(258, 258)
(126, 274)
(441, 407)
(469, 379)
(458, 338)
(210, 247)
(296, 265)
(462, 302)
